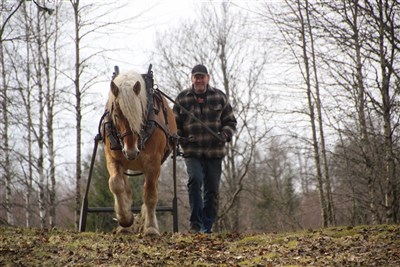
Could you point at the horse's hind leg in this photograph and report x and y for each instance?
(122, 192)
(150, 199)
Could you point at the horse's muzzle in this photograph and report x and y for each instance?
(131, 154)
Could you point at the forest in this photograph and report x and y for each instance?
(314, 85)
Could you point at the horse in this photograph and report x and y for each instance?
(129, 110)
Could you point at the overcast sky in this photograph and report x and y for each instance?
(155, 16)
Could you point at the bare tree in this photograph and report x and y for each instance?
(25, 31)
(385, 17)
(5, 146)
(296, 27)
(363, 54)
(363, 30)
(77, 106)
(353, 78)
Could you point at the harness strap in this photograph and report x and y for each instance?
(154, 121)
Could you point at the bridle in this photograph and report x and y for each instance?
(120, 135)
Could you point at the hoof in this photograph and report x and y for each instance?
(151, 231)
(126, 223)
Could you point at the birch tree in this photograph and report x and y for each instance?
(10, 10)
(26, 31)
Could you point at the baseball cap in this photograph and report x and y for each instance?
(199, 69)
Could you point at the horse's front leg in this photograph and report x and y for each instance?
(122, 192)
(150, 199)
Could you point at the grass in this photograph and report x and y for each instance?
(377, 245)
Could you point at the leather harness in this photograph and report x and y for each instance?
(155, 105)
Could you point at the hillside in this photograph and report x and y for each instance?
(340, 246)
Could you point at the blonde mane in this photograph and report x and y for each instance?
(134, 107)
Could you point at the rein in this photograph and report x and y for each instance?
(213, 133)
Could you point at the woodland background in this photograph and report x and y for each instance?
(314, 85)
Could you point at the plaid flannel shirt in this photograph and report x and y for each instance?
(216, 113)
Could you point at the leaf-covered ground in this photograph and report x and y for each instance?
(341, 246)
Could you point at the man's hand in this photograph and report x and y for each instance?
(184, 141)
(223, 136)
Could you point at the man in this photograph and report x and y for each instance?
(202, 151)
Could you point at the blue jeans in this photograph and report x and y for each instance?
(203, 188)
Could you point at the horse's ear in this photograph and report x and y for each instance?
(114, 89)
(136, 88)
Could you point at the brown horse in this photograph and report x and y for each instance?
(128, 108)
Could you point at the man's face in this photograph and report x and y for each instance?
(200, 82)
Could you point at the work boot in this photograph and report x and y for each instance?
(194, 229)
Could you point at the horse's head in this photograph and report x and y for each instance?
(127, 100)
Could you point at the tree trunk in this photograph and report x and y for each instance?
(40, 159)
(386, 72)
(365, 140)
(50, 96)
(78, 113)
(6, 163)
(29, 175)
(325, 165)
(313, 119)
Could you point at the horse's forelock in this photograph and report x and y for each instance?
(132, 105)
